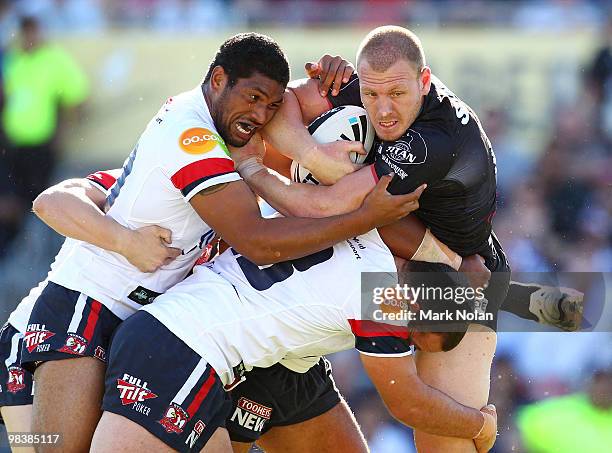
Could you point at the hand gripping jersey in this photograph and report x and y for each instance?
(19, 317)
(238, 315)
(179, 154)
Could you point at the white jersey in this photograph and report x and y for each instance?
(179, 154)
(103, 180)
(237, 315)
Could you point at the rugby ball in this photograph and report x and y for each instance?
(347, 122)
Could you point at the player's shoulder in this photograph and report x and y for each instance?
(184, 125)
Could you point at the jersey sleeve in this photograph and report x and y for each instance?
(424, 154)
(381, 339)
(104, 179)
(198, 160)
(348, 94)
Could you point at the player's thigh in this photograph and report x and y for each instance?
(333, 431)
(241, 447)
(17, 419)
(68, 398)
(463, 374)
(116, 433)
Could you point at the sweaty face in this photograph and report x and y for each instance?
(392, 98)
(246, 107)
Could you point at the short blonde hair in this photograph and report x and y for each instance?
(384, 46)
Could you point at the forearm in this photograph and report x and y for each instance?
(434, 412)
(74, 215)
(287, 132)
(306, 200)
(281, 239)
(409, 239)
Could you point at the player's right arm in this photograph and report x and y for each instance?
(416, 404)
(232, 211)
(74, 208)
(287, 132)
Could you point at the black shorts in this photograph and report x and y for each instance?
(498, 284)
(154, 379)
(15, 383)
(277, 396)
(65, 324)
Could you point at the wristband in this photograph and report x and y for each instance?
(432, 250)
(249, 167)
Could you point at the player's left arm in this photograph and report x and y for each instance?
(287, 133)
(75, 208)
(416, 404)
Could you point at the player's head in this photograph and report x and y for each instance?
(30, 33)
(393, 78)
(244, 85)
(441, 288)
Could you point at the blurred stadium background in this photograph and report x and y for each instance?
(539, 75)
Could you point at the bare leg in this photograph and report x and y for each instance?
(464, 374)
(17, 419)
(335, 431)
(117, 434)
(67, 401)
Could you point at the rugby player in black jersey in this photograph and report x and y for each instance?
(427, 135)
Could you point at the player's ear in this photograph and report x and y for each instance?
(425, 80)
(218, 79)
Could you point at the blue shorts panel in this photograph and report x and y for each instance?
(16, 387)
(277, 396)
(154, 379)
(65, 324)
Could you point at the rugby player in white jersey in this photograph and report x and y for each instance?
(177, 357)
(145, 247)
(180, 177)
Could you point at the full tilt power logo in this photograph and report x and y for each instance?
(133, 391)
(36, 334)
(251, 415)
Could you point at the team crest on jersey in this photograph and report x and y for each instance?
(410, 149)
(16, 379)
(133, 390)
(198, 140)
(36, 334)
(197, 430)
(174, 419)
(75, 344)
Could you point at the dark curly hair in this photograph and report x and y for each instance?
(247, 53)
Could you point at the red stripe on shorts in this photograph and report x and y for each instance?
(201, 395)
(92, 320)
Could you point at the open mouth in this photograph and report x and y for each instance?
(387, 124)
(245, 128)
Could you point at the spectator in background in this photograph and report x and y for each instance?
(600, 81)
(579, 422)
(39, 80)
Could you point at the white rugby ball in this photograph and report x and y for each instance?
(348, 122)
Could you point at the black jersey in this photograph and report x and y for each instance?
(446, 148)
